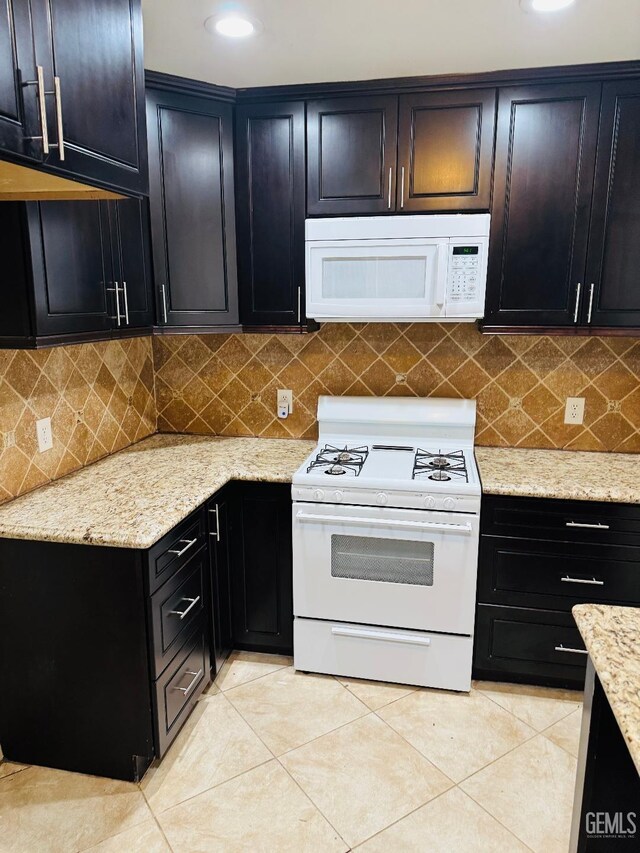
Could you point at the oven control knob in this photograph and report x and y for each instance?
(338, 496)
(318, 494)
(429, 502)
(449, 503)
(382, 498)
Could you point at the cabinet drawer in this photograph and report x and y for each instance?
(568, 521)
(535, 646)
(176, 548)
(556, 575)
(175, 607)
(179, 687)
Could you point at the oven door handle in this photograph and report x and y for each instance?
(388, 636)
(442, 526)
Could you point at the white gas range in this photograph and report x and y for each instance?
(386, 517)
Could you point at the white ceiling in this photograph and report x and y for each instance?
(306, 41)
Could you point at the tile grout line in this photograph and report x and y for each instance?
(495, 702)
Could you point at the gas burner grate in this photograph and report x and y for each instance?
(439, 467)
(339, 461)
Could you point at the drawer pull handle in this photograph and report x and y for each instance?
(597, 526)
(215, 512)
(562, 648)
(592, 582)
(183, 613)
(388, 636)
(194, 681)
(190, 543)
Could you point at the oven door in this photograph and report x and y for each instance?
(382, 566)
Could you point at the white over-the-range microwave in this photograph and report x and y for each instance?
(397, 268)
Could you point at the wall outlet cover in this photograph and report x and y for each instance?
(45, 435)
(284, 402)
(574, 410)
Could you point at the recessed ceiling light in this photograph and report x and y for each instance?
(232, 25)
(545, 5)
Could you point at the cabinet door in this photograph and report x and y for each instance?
(545, 156)
(219, 512)
(70, 266)
(19, 115)
(270, 182)
(131, 254)
(445, 150)
(261, 574)
(192, 209)
(351, 149)
(615, 220)
(94, 47)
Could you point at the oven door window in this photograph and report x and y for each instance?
(368, 558)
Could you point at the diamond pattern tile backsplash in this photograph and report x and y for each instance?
(99, 397)
(226, 384)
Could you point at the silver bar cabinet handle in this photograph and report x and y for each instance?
(575, 313)
(164, 301)
(58, 97)
(115, 289)
(194, 681)
(183, 613)
(590, 301)
(597, 526)
(562, 648)
(389, 188)
(190, 544)
(299, 305)
(215, 512)
(42, 107)
(402, 187)
(126, 302)
(592, 582)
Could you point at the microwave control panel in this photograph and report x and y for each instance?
(464, 274)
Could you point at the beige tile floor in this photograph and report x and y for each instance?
(273, 760)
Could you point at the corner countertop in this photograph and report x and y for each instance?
(131, 499)
(565, 474)
(612, 638)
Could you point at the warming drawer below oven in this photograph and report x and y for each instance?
(383, 654)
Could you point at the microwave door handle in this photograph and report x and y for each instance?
(442, 269)
(443, 527)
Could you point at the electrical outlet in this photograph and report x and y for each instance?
(285, 403)
(44, 433)
(574, 410)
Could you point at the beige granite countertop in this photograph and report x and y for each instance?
(612, 638)
(131, 499)
(568, 474)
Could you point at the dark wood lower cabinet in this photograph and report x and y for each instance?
(538, 558)
(105, 651)
(262, 573)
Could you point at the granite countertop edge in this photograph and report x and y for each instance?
(611, 635)
(139, 523)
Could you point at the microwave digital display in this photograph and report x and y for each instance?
(465, 250)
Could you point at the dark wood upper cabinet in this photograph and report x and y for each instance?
(445, 150)
(612, 268)
(89, 53)
(544, 166)
(270, 186)
(18, 102)
(74, 270)
(351, 155)
(131, 262)
(192, 209)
